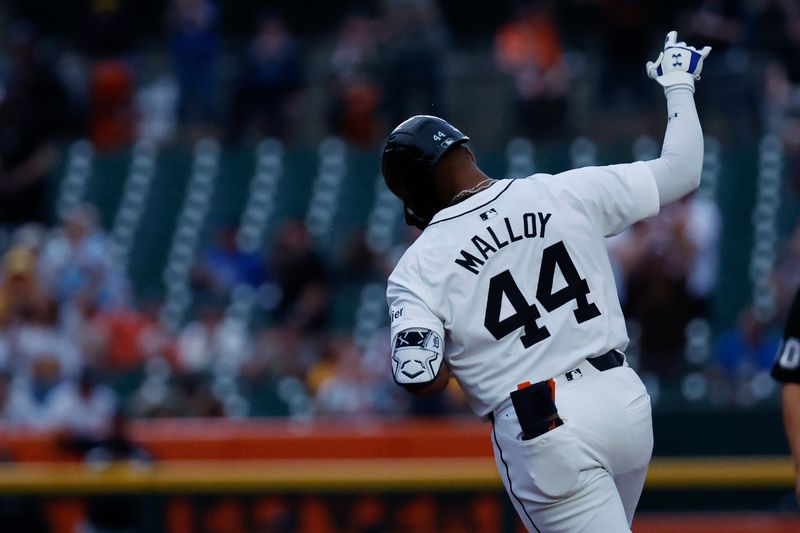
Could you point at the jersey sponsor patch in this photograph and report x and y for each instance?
(395, 314)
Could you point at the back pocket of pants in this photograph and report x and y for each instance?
(551, 461)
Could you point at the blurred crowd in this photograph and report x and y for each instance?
(77, 347)
(558, 68)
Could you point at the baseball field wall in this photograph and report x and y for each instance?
(215, 476)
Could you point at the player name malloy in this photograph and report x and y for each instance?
(499, 236)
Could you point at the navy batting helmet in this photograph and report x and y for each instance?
(409, 156)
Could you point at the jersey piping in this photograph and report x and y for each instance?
(476, 207)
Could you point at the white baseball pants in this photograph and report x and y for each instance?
(585, 476)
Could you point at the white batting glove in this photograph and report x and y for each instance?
(678, 65)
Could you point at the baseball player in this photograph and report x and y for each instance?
(787, 371)
(509, 290)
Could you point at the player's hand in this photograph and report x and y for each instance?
(678, 64)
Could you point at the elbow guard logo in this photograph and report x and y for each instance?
(416, 355)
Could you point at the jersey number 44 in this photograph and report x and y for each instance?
(526, 314)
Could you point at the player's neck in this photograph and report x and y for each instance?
(462, 185)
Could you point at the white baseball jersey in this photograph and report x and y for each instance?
(515, 281)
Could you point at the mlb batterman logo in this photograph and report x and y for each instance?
(487, 215)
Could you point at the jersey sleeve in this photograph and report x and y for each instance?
(417, 334)
(615, 196)
(786, 368)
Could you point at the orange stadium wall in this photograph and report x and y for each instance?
(280, 439)
(458, 450)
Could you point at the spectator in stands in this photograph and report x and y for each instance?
(15, 405)
(39, 343)
(324, 368)
(111, 109)
(342, 388)
(34, 113)
(271, 78)
(108, 32)
(76, 262)
(355, 91)
(699, 219)
(210, 340)
(20, 290)
(29, 236)
(27, 404)
(303, 279)
(747, 348)
(223, 265)
(191, 397)
(741, 353)
(82, 408)
(655, 258)
(687, 234)
(529, 50)
(5, 394)
(123, 339)
(154, 341)
(194, 29)
(285, 351)
(414, 40)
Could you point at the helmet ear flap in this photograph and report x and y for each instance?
(399, 173)
(410, 208)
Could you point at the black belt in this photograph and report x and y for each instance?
(607, 361)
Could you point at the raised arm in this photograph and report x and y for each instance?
(677, 171)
